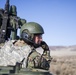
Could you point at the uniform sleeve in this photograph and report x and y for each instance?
(46, 55)
(36, 60)
(46, 51)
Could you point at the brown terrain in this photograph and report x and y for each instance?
(64, 60)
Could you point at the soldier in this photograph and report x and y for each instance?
(31, 33)
(24, 49)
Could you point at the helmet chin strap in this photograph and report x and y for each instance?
(30, 42)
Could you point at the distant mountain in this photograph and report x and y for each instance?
(72, 48)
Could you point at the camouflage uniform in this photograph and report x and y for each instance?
(26, 48)
(35, 59)
(14, 52)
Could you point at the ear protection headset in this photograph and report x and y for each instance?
(26, 35)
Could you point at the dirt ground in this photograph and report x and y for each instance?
(63, 53)
(63, 62)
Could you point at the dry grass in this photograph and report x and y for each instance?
(64, 65)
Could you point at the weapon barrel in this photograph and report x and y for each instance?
(7, 7)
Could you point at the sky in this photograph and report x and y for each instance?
(57, 17)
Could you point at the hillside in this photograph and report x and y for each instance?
(63, 50)
(71, 48)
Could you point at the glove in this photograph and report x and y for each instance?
(44, 45)
(41, 62)
(44, 64)
(46, 52)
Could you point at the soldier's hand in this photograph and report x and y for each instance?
(44, 45)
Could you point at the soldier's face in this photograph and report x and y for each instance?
(37, 39)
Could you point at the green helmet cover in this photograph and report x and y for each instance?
(33, 28)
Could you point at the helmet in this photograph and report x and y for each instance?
(29, 29)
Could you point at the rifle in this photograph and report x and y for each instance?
(9, 23)
(3, 30)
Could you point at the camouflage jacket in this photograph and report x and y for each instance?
(15, 51)
(36, 59)
(11, 53)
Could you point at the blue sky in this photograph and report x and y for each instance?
(57, 17)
